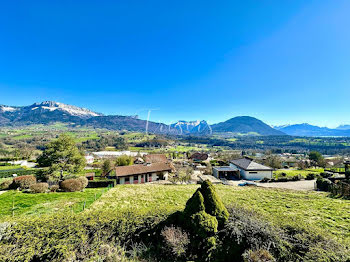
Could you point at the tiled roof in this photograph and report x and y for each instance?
(141, 169)
(249, 164)
(155, 158)
(199, 156)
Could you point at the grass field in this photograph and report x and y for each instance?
(312, 210)
(36, 204)
(9, 167)
(294, 172)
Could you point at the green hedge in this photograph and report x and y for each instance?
(106, 183)
(19, 172)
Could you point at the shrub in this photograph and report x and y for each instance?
(84, 181)
(5, 185)
(265, 180)
(72, 185)
(213, 204)
(176, 240)
(260, 255)
(39, 188)
(323, 184)
(310, 176)
(194, 204)
(283, 174)
(204, 224)
(54, 188)
(296, 178)
(325, 175)
(24, 182)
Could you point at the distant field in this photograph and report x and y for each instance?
(10, 167)
(45, 203)
(311, 210)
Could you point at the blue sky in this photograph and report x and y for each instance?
(280, 61)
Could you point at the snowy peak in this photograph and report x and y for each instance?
(4, 108)
(69, 109)
(186, 127)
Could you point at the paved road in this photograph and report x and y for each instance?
(303, 185)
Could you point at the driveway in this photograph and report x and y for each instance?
(303, 185)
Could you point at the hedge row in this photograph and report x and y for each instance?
(19, 172)
(96, 184)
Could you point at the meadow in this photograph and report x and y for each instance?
(17, 204)
(295, 172)
(121, 214)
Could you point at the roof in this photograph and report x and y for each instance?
(225, 168)
(200, 156)
(156, 158)
(141, 169)
(249, 164)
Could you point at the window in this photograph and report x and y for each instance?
(136, 178)
(253, 172)
(127, 179)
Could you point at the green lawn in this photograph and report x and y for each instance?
(10, 167)
(311, 210)
(294, 172)
(45, 203)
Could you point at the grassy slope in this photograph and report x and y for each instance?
(45, 203)
(294, 172)
(311, 210)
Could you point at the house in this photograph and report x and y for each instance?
(226, 172)
(89, 159)
(137, 174)
(115, 154)
(251, 170)
(199, 157)
(156, 158)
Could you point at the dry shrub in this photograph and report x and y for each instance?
(74, 184)
(260, 255)
(24, 182)
(54, 188)
(176, 240)
(5, 185)
(84, 181)
(39, 188)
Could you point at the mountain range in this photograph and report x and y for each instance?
(313, 131)
(50, 112)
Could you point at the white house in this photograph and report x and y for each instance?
(251, 170)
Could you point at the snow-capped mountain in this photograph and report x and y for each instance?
(72, 110)
(43, 113)
(192, 127)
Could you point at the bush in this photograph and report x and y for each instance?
(265, 180)
(5, 185)
(54, 188)
(73, 184)
(261, 255)
(204, 224)
(84, 181)
(97, 184)
(310, 176)
(323, 184)
(296, 178)
(194, 204)
(176, 240)
(24, 182)
(39, 188)
(213, 204)
(325, 175)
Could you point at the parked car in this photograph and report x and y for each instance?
(247, 184)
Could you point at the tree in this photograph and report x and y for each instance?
(317, 158)
(106, 167)
(273, 161)
(62, 155)
(124, 160)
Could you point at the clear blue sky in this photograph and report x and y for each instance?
(280, 61)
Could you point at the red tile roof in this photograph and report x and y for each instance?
(155, 158)
(142, 169)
